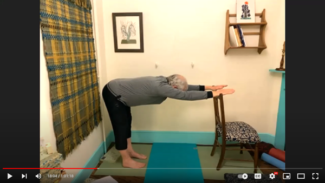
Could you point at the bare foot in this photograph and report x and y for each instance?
(134, 154)
(133, 164)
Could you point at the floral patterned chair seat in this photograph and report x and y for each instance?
(240, 132)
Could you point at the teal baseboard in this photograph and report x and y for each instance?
(268, 138)
(200, 138)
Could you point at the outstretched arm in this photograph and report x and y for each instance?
(196, 88)
(204, 88)
(169, 91)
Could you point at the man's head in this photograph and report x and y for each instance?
(178, 81)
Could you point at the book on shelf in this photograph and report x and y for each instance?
(241, 35)
(238, 37)
(232, 37)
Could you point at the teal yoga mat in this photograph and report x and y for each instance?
(171, 162)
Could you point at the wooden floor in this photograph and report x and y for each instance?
(265, 168)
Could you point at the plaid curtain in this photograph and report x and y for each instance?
(70, 57)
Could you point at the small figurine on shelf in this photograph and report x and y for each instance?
(282, 60)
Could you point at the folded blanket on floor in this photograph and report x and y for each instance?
(264, 147)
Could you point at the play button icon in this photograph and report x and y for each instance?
(9, 176)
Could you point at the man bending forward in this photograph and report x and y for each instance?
(121, 94)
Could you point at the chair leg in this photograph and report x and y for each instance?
(255, 158)
(241, 147)
(222, 155)
(214, 147)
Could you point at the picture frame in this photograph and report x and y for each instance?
(128, 32)
(245, 11)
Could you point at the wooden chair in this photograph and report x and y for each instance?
(237, 131)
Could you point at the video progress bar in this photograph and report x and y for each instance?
(158, 168)
(215, 168)
(47, 168)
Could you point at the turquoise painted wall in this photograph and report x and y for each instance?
(280, 126)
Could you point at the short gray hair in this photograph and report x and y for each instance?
(178, 81)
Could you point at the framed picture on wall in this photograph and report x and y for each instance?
(128, 32)
(245, 11)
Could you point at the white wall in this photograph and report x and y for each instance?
(100, 48)
(177, 33)
(85, 150)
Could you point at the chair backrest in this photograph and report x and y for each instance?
(219, 113)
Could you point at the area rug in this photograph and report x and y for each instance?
(108, 168)
(209, 163)
(184, 159)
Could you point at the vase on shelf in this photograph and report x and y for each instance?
(281, 68)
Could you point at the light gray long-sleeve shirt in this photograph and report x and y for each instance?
(152, 90)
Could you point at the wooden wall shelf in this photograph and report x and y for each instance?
(261, 43)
